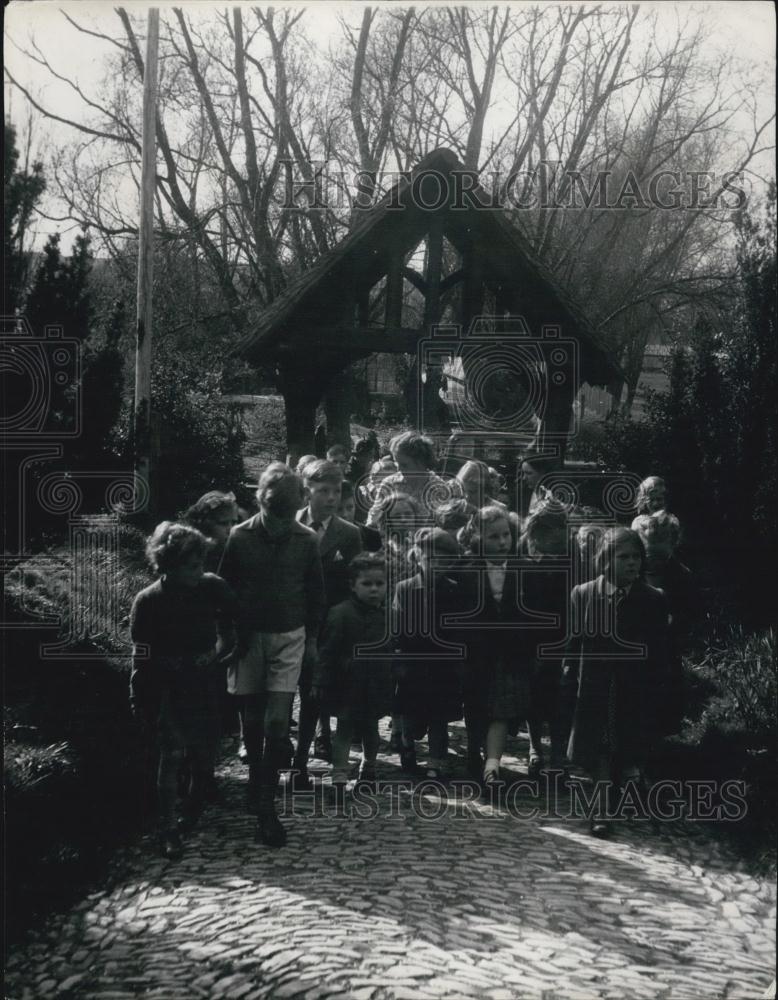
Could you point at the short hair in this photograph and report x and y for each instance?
(486, 515)
(303, 462)
(475, 464)
(338, 449)
(416, 446)
(323, 471)
(590, 528)
(435, 542)
(280, 482)
(172, 543)
(453, 514)
(384, 505)
(364, 562)
(204, 510)
(546, 518)
(347, 491)
(660, 526)
(611, 540)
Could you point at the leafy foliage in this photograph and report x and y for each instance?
(200, 436)
(712, 434)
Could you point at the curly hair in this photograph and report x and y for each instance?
(203, 511)
(172, 543)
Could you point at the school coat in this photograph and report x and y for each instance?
(337, 547)
(599, 666)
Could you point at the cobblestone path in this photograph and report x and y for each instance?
(473, 903)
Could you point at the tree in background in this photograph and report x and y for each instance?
(21, 193)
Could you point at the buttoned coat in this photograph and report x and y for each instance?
(337, 547)
(617, 653)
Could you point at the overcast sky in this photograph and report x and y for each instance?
(745, 29)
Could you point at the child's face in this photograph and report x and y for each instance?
(323, 499)
(370, 587)
(531, 477)
(626, 564)
(547, 542)
(339, 459)
(658, 549)
(496, 538)
(348, 510)
(220, 524)
(189, 572)
(282, 499)
(654, 498)
(588, 540)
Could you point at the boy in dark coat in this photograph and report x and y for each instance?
(339, 542)
(351, 677)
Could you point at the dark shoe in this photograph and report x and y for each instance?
(475, 766)
(395, 742)
(322, 748)
(172, 848)
(270, 830)
(600, 829)
(190, 814)
(213, 795)
(366, 777)
(535, 766)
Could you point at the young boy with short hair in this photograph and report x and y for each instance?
(339, 542)
(273, 564)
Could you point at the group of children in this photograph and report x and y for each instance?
(438, 604)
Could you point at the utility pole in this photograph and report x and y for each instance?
(143, 441)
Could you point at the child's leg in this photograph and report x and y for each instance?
(535, 727)
(397, 732)
(476, 733)
(496, 737)
(341, 745)
(558, 728)
(370, 741)
(171, 755)
(254, 737)
(437, 739)
(324, 728)
(306, 727)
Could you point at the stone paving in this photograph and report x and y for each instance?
(474, 903)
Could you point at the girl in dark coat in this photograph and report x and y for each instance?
(660, 533)
(498, 673)
(546, 591)
(614, 670)
(430, 665)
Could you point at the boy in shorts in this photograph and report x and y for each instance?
(273, 564)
